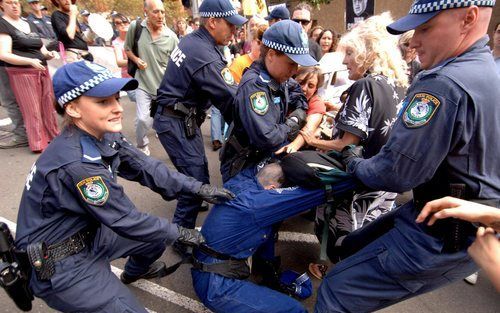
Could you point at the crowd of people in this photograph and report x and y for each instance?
(413, 115)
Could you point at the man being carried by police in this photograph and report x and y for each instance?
(440, 145)
(270, 108)
(196, 77)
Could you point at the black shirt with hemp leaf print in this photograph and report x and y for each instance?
(369, 111)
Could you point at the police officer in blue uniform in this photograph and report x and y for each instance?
(235, 230)
(443, 143)
(196, 77)
(267, 114)
(74, 218)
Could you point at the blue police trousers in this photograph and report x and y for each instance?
(188, 157)
(84, 281)
(400, 264)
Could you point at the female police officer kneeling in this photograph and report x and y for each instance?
(74, 206)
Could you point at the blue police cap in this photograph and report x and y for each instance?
(221, 9)
(423, 10)
(289, 37)
(280, 12)
(85, 78)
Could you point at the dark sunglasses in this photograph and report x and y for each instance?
(120, 23)
(303, 22)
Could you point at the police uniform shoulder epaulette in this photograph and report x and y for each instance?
(90, 153)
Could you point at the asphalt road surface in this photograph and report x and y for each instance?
(174, 293)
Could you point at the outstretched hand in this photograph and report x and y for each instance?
(215, 194)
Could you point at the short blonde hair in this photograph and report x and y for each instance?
(375, 50)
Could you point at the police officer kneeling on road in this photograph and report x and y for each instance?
(74, 218)
(263, 120)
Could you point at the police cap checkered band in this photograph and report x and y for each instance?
(284, 48)
(84, 87)
(426, 6)
(218, 14)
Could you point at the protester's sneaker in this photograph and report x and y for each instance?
(145, 150)
(13, 143)
(472, 279)
(156, 270)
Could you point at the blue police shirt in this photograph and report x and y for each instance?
(261, 106)
(73, 185)
(197, 75)
(449, 117)
(238, 227)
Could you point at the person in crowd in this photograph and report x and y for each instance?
(328, 41)
(315, 32)
(196, 77)
(241, 39)
(84, 24)
(155, 45)
(24, 57)
(181, 28)
(121, 24)
(302, 15)
(194, 24)
(409, 55)
(73, 206)
(365, 119)
(88, 34)
(237, 229)
(45, 11)
(485, 251)
(278, 14)
(262, 122)
(68, 31)
(43, 25)
(496, 46)
(440, 145)
(309, 78)
(241, 63)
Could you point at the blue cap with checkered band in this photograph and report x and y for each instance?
(422, 11)
(289, 37)
(85, 78)
(221, 9)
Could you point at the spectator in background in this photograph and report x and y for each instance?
(68, 31)
(121, 24)
(328, 41)
(242, 62)
(315, 32)
(302, 15)
(45, 11)
(278, 14)
(496, 46)
(181, 28)
(43, 25)
(89, 35)
(409, 55)
(23, 57)
(194, 24)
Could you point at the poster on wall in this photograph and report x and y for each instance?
(358, 10)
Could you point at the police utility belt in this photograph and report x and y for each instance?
(192, 117)
(228, 266)
(43, 257)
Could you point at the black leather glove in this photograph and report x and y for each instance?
(350, 153)
(295, 120)
(190, 237)
(215, 194)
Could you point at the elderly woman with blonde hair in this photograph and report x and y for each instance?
(379, 71)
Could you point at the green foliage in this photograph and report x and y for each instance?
(317, 3)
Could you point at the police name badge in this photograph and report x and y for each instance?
(259, 102)
(93, 190)
(227, 76)
(420, 110)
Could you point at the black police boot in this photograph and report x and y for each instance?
(156, 270)
(270, 271)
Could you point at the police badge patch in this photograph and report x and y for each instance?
(420, 110)
(93, 190)
(227, 76)
(259, 102)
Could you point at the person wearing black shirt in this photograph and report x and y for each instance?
(68, 31)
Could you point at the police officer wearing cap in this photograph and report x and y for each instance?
(443, 143)
(278, 14)
(196, 77)
(74, 218)
(265, 116)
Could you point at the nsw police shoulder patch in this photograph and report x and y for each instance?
(227, 76)
(259, 102)
(93, 190)
(420, 110)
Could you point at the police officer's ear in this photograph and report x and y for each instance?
(211, 23)
(73, 110)
(469, 18)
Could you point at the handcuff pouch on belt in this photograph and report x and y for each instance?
(238, 155)
(228, 267)
(192, 117)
